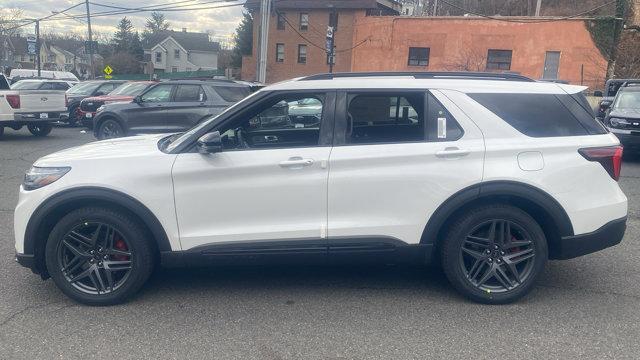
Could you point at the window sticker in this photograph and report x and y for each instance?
(442, 128)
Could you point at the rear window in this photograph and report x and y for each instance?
(542, 115)
(231, 94)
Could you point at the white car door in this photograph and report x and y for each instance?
(268, 183)
(390, 170)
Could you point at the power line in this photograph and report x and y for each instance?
(297, 32)
(32, 21)
(523, 21)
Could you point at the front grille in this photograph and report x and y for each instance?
(90, 106)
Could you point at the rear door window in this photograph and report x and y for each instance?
(541, 115)
(189, 93)
(231, 93)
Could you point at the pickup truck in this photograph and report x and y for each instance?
(28, 105)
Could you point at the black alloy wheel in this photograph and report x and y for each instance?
(40, 129)
(99, 256)
(110, 129)
(95, 258)
(497, 256)
(494, 253)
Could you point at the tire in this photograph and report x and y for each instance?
(495, 269)
(99, 270)
(1, 131)
(109, 129)
(40, 129)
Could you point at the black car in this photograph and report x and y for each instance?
(170, 106)
(610, 90)
(623, 117)
(87, 89)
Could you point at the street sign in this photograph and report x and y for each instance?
(329, 32)
(108, 70)
(108, 77)
(31, 44)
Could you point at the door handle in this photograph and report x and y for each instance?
(296, 162)
(452, 152)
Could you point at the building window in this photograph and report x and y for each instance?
(302, 54)
(304, 21)
(281, 21)
(23, 58)
(333, 20)
(176, 54)
(499, 59)
(32, 58)
(174, 69)
(418, 56)
(158, 56)
(279, 52)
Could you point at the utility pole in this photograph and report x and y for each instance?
(435, 8)
(261, 64)
(617, 31)
(92, 75)
(330, 46)
(38, 46)
(538, 5)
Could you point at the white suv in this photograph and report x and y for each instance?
(488, 174)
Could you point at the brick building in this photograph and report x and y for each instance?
(372, 37)
(297, 32)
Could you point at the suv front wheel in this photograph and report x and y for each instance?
(494, 253)
(98, 256)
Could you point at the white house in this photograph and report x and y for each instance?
(179, 51)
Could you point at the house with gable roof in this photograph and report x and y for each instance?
(179, 51)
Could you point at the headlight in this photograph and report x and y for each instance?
(38, 177)
(618, 123)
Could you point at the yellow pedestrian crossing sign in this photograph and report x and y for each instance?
(108, 70)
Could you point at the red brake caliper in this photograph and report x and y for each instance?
(119, 244)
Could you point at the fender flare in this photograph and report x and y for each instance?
(67, 197)
(492, 189)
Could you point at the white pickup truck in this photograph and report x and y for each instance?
(29, 103)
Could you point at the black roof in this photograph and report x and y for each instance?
(188, 40)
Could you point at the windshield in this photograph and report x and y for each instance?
(628, 100)
(84, 88)
(129, 89)
(26, 85)
(173, 143)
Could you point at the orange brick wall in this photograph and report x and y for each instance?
(457, 41)
(316, 57)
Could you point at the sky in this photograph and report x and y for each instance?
(220, 22)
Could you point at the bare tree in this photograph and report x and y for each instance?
(468, 59)
(9, 19)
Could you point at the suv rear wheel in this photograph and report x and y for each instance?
(40, 129)
(109, 129)
(494, 253)
(98, 256)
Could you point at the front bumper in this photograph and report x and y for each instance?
(628, 138)
(608, 235)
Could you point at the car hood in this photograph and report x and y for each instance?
(127, 147)
(625, 113)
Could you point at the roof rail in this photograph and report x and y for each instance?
(424, 75)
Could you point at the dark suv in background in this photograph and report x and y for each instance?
(623, 116)
(87, 89)
(123, 93)
(169, 106)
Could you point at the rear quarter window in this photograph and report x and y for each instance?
(541, 115)
(231, 93)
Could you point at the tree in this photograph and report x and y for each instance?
(243, 40)
(124, 63)
(9, 20)
(155, 24)
(126, 40)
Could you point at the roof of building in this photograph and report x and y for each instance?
(326, 4)
(190, 41)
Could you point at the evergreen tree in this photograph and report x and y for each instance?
(155, 24)
(243, 40)
(123, 38)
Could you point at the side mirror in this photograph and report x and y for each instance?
(137, 99)
(605, 104)
(210, 143)
(597, 93)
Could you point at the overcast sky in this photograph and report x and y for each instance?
(221, 22)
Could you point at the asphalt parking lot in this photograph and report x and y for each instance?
(582, 308)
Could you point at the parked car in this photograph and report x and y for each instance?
(610, 90)
(498, 174)
(87, 89)
(19, 74)
(123, 93)
(169, 106)
(623, 116)
(32, 103)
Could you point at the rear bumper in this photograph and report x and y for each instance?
(608, 235)
(38, 117)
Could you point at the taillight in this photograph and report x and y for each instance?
(609, 157)
(14, 101)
